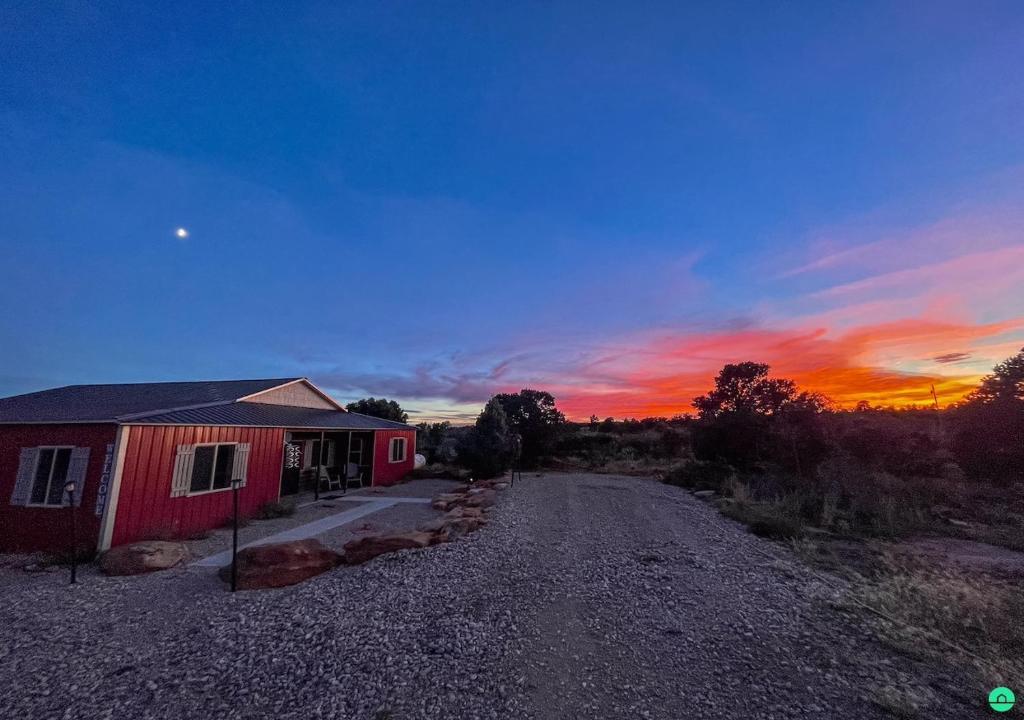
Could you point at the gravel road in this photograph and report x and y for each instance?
(585, 597)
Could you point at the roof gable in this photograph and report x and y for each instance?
(297, 393)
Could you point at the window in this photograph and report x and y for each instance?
(326, 453)
(355, 454)
(397, 450)
(211, 468)
(50, 476)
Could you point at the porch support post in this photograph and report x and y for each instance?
(319, 456)
(348, 460)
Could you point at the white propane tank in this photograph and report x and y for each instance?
(419, 461)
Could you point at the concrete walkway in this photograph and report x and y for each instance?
(355, 498)
(370, 504)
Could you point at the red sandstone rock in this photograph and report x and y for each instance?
(363, 549)
(143, 557)
(281, 564)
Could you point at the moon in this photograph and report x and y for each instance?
(182, 233)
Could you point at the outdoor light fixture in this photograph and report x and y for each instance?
(236, 485)
(69, 488)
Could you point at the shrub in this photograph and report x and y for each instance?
(700, 476)
(776, 527)
(487, 448)
(778, 520)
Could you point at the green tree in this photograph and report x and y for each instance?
(430, 438)
(533, 416)
(487, 448)
(379, 408)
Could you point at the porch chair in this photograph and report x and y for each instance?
(332, 481)
(353, 473)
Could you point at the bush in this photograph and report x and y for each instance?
(777, 521)
(700, 476)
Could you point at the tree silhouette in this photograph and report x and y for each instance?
(533, 416)
(1006, 383)
(487, 448)
(379, 408)
(746, 388)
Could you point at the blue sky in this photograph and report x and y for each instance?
(436, 202)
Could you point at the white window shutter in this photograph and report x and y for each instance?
(182, 470)
(26, 473)
(78, 467)
(241, 467)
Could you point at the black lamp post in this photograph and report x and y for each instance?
(236, 485)
(69, 488)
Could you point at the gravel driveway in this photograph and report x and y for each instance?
(585, 597)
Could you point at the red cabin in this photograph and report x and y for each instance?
(157, 460)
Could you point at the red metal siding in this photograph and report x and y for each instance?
(145, 508)
(46, 529)
(386, 472)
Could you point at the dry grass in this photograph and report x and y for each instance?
(971, 618)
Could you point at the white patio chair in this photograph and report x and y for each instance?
(353, 474)
(331, 482)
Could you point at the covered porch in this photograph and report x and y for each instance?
(328, 460)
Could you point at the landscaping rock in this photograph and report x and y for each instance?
(143, 557)
(704, 494)
(463, 511)
(446, 501)
(363, 549)
(281, 564)
(456, 527)
(480, 500)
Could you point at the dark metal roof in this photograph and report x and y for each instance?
(264, 415)
(117, 403)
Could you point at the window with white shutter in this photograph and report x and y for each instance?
(26, 472)
(43, 473)
(208, 467)
(241, 469)
(182, 470)
(78, 469)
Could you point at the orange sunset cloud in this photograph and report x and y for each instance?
(660, 377)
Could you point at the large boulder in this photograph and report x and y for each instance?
(143, 557)
(366, 548)
(281, 564)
